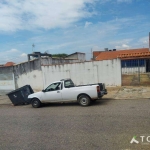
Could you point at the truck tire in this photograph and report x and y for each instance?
(84, 100)
(36, 103)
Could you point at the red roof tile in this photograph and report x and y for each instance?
(96, 53)
(9, 64)
(108, 55)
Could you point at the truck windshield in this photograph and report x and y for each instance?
(68, 84)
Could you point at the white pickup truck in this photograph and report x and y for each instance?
(65, 91)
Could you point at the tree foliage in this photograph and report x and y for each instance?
(59, 55)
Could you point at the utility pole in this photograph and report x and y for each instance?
(33, 46)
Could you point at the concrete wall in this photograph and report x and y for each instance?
(25, 73)
(131, 70)
(26, 67)
(33, 78)
(53, 61)
(107, 71)
(6, 78)
(79, 56)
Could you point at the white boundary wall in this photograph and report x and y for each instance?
(107, 71)
(7, 81)
(34, 79)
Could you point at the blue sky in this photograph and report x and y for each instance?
(67, 26)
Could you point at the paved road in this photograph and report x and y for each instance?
(106, 125)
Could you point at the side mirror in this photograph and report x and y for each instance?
(43, 90)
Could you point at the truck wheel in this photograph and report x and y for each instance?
(84, 100)
(36, 103)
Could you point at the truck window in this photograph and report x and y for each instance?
(68, 83)
(53, 87)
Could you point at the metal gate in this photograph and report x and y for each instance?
(135, 72)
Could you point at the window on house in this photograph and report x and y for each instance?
(133, 63)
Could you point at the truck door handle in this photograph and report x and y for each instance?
(58, 91)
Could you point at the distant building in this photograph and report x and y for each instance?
(128, 54)
(8, 64)
(38, 55)
(131, 59)
(1, 65)
(135, 64)
(77, 55)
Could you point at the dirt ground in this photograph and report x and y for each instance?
(128, 92)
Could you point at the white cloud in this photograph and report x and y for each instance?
(46, 14)
(87, 24)
(123, 46)
(13, 55)
(23, 55)
(121, 42)
(13, 50)
(144, 40)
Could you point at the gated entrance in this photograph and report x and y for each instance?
(135, 72)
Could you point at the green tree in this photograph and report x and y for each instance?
(59, 55)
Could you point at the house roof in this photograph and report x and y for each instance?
(108, 55)
(96, 53)
(75, 53)
(9, 64)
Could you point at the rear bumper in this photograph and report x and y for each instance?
(105, 91)
(102, 93)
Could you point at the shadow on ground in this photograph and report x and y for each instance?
(75, 104)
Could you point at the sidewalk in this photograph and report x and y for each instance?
(114, 93)
(128, 92)
(4, 100)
